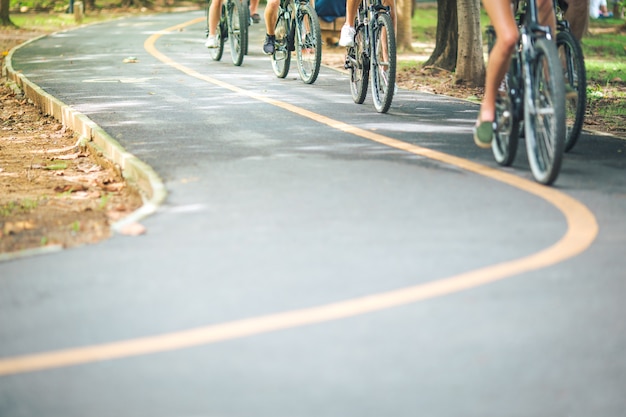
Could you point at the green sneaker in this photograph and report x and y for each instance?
(483, 134)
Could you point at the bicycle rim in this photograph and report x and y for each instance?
(281, 58)
(359, 67)
(544, 113)
(237, 30)
(383, 63)
(309, 43)
(506, 136)
(571, 56)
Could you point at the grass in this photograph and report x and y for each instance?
(21, 206)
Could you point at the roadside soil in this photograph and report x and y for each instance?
(55, 192)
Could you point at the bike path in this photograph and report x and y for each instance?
(269, 211)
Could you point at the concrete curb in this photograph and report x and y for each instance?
(138, 174)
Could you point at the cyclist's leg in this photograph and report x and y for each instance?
(254, 13)
(577, 15)
(392, 13)
(215, 9)
(271, 16)
(503, 21)
(214, 16)
(347, 31)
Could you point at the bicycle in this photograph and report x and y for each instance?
(573, 61)
(233, 25)
(532, 92)
(373, 53)
(297, 28)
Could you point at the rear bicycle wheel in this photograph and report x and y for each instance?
(506, 136)
(281, 58)
(359, 66)
(308, 43)
(383, 63)
(573, 61)
(246, 6)
(544, 113)
(237, 30)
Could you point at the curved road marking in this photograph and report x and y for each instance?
(581, 232)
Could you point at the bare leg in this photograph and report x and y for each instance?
(214, 16)
(578, 17)
(503, 21)
(271, 16)
(254, 6)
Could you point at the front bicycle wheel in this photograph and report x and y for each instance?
(573, 62)
(383, 62)
(237, 30)
(544, 113)
(308, 43)
(281, 58)
(359, 66)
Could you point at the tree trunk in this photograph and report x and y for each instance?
(446, 43)
(5, 20)
(470, 64)
(404, 33)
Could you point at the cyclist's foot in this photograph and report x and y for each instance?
(268, 45)
(483, 134)
(347, 35)
(211, 42)
(255, 18)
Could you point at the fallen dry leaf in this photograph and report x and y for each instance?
(72, 188)
(17, 227)
(133, 229)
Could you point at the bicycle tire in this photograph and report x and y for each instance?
(383, 68)
(281, 58)
(308, 43)
(544, 113)
(237, 30)
(506, 136)
(571, 55)
(249, 22)
(216, 53)
(359, 66)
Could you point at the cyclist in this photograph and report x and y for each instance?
(271, 16)
(348, 31)
(503, 21)
(214, 18)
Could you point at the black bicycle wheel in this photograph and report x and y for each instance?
(506, 136)
(544, 113)
(383, 63)
(281, 58)
(573, 62)
(246, 6)
(308, 43)
(220, 34)
(237, 30)
(359, 66)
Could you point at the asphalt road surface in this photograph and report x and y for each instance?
(313, 257)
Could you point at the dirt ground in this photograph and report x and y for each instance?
(55, 192)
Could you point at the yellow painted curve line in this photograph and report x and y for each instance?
(582, 229)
